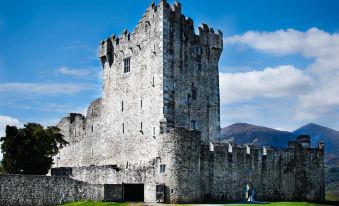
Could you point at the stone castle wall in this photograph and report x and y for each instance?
(132, 101)
(275, 176)
(191, 75)
(173, 87)
(179, 152)
(29, 190)
(165, 111)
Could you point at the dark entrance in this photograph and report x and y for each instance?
(133, 192)
(160, 189)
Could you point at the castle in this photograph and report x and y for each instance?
(154, 135)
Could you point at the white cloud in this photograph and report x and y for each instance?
(75, 72)
(312, 43)
(322, 46)
(276, 82)
(6, 120)
(314, 88)
(44, 88)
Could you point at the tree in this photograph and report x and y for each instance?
(30, 150)
(1, 170)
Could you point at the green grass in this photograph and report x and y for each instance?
(332, 196)
(282, 204)
(91, 203)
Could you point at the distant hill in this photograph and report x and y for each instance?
(329, 136)
(243, 133)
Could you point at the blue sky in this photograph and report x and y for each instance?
(279, 67)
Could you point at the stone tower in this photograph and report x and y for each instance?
(154, 133)
(160, 76)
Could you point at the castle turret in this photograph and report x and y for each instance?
(180, 157)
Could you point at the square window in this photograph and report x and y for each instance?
(162, 168)
(127, 62)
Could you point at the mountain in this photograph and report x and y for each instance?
(329, 136)
(243, 133)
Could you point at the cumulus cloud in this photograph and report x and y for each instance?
(322, 46)
(44, 88)
(6, 120)
(314, 88)
(312, 43)
(276, 82)
(75, 72)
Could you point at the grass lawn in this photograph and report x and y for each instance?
(90, 203)
(332, 196)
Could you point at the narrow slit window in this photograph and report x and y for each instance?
(162, 168)
(140, 103)
(127, 64)
(194, 93)
(188, 98)
(123, 128)
(141, 126)
(153, 81)
(193, 125)
(122, 106)
(153, 131)
(92, 128)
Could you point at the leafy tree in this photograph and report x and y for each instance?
(1, 170)
(30, 150)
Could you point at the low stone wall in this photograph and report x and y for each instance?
(36, 190)
(291, 174)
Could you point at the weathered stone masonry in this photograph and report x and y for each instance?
(29, 190)
(158, 124)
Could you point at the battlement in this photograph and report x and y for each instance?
(293, 146)
(158, 123)
(75, 116)
(206, 36)
(113, 46)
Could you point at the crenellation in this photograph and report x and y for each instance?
(176, 7)
(158, 123)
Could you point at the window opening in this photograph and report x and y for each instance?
(162, 168)
(193, 124)
(127, 62)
